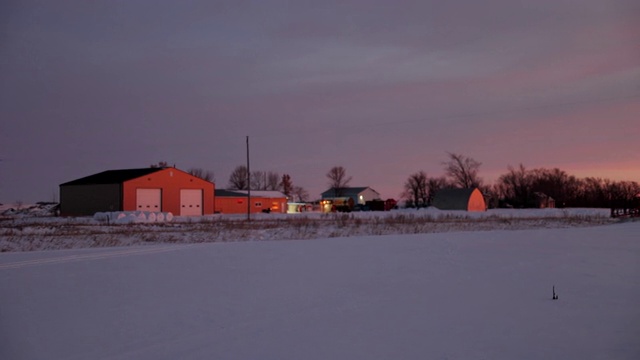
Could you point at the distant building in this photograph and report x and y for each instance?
(359, 195)
(299, 207)
(235, 201)
(460, 199)
(147, 189)
(542, 200)
(345, 199)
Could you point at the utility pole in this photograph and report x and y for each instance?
(248, 184)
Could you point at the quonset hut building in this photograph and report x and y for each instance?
(460, 199)
(147, 189)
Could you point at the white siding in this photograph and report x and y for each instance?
(367, 195)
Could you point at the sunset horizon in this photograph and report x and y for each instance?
(381, 89)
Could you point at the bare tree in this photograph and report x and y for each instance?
(435, 184)
(338, 179)
(300, 194)
(415, 189)
(160, 164)
(286, 185)
(592, 192)
(555, 183)
(516, 186)
(238, 178)
(205, 175)
(273, 181)
(623, 193)
(462, 171)
(258, 180)
(263, 180)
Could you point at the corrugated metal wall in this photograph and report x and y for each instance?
(83, 200)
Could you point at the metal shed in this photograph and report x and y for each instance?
(235, 201)
(460, 199)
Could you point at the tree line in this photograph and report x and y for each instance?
(266, 180)
(521, 187)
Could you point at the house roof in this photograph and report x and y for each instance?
(347, 191)
(452, 199)
(254, 193)
(541, 195)
(112, 176)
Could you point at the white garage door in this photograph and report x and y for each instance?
(190, 202)
(148, 199)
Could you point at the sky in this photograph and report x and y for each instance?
(383, 88)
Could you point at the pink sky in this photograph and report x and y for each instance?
(382, 88)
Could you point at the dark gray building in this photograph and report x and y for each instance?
(97, 192)
(460, 199)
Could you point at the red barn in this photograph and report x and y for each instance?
(235, 201)
(147, 189)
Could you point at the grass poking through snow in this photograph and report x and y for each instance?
(30, 234)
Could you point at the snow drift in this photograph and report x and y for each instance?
(456, 295)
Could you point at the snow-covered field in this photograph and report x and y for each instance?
(28, 230)
(448, 295)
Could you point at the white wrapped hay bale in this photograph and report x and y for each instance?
(141, 217)
(131, 217)
(126, 219)
(112, 216)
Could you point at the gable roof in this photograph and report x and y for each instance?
(112, 176)
(346, 192)
(452, 199)
(254, 193)
(228, 193)
(262, 193)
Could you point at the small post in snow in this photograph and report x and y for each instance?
(555, 296)
(248, 184)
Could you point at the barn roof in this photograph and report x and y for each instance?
(452, 199)
(113, 176)
(347, 191)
